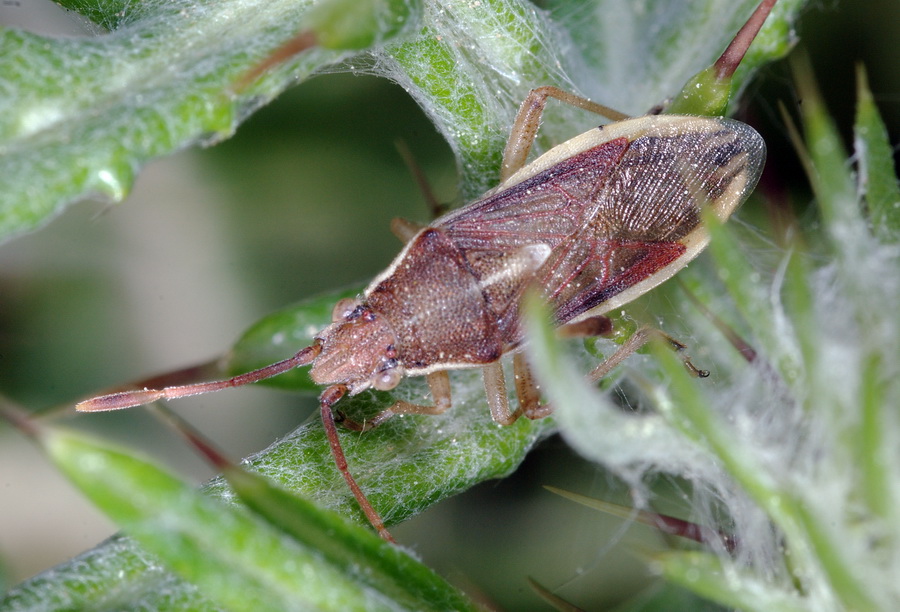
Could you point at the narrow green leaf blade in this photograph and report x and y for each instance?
(357, 553)
(829, 171)
(79, 117)
(233, 557)
(878, 177)
(732, 586)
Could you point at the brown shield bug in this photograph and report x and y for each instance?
(592, 224)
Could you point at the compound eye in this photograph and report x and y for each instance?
(387, 379)
(343, 309)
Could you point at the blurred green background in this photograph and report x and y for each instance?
(299, 202)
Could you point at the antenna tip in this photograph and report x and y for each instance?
(118, 401)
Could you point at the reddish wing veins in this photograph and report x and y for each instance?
(545, 209)
(648, 205)
(601, 220)
(508, 235)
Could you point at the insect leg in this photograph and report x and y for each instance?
(638, 339)
(329, 397)
(299, 43)
(405, 229)
(495, 389)
(435, 207)
(528, 119)
(528, 391)
(438, 382)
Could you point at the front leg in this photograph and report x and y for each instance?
(438, 382)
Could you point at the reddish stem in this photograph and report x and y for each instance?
(734, 53)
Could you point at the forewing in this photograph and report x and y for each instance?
(544, 209)
(599, 227)
(648, 214)
(508, 235)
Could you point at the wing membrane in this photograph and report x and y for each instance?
(545, 209)
(608, 218)
(651, 202)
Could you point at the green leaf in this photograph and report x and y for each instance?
(79, 117)
(878, 178)
(789, 452)
(160, 82)
(829, 172)
(351, 24)
(279, 335)
(356, 553)
(730, 585)
(591, 422)
(235, 558)
(404, 466)
(299, 556)
(666, 597)
(749, 293)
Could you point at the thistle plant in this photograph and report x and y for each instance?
(787, 452)
(790, 454)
